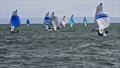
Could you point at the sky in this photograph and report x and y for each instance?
(38, 8)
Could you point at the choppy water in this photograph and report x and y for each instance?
(75, 47)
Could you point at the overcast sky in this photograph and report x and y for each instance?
(38, 8)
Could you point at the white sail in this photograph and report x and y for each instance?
(102, 18)
(55, 22)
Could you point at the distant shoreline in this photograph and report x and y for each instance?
(40, 20)
(67, 23)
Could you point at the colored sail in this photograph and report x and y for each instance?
(15, 21)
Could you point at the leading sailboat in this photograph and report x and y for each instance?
(102, 20)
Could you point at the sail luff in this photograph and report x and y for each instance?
(98, 10)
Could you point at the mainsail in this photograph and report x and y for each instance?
(28, 22)
(72, 21)
(15, 20)
(85, 21)
(55, 22)
(101, 18)
(47, 19)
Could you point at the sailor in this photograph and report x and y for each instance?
(102, 33)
